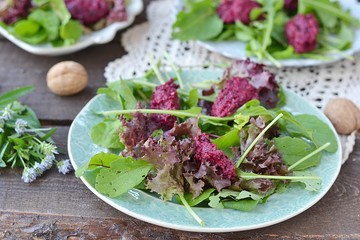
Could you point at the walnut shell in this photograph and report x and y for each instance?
(67, 78)
(344, 115)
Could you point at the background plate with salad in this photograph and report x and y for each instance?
(235, 40)
(104, 35)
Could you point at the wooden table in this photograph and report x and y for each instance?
(61, 207)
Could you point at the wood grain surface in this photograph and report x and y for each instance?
(61, 207)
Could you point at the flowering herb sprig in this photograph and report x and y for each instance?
(23, 143)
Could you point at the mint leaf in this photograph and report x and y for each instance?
(123, 175)
(106, 134)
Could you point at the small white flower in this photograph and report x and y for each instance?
(7, 114)
(1, 130)
(48, 148)
(64, 166)
(2, 122)
(29, 175)
(39, 169)
(20, 126)
(47, 162)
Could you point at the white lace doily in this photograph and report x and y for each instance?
(317, 84)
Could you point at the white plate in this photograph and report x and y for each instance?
(236, 49)
(102, 36)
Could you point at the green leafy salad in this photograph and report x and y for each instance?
(59, 22)
(271, 29)
(224, 143)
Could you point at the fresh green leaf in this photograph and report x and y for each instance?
(230, 139)
(48, 21)
(26, 28)
(202, 197)
(201, 22)
(294, 149)
(14, 95)
(106, 134)
(321, 132)
(123, 175)
(125, 92)
(311, 184)
(244, 205)
(71, 31)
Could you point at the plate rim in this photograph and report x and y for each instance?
(101, 36)
(205, 229)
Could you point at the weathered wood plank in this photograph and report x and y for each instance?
(19, 68)
(75, 209)
(33, 226)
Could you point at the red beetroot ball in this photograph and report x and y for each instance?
(291, 5)
(88, 11)
(301, 32)
(236, 92)
(18, 9)
(165, 97)
(206, 152)
(231, 11)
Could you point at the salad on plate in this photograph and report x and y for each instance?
(55, 27)
(224, 143)
(272, 31)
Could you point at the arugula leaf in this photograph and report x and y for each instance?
(202, 197)
(201, 22)
(243, 201)
(311, 184)
(231, 138)
(123, 175)
(320, 131)
(244, 205)
(294, 149)
(125, 92)
(106, 134)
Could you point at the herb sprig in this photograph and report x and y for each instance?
(23, 142)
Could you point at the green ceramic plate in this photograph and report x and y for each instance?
(138, 204)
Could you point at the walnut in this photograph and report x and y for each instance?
(344, 115)
(67, 78)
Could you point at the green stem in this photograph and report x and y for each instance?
(22, 160)
(156, 70)
(257, 139)
(178, 113)
(179, 91)
(191, 211)
(178, 77)
(309, 156)
(274, 177)
(330, 9)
